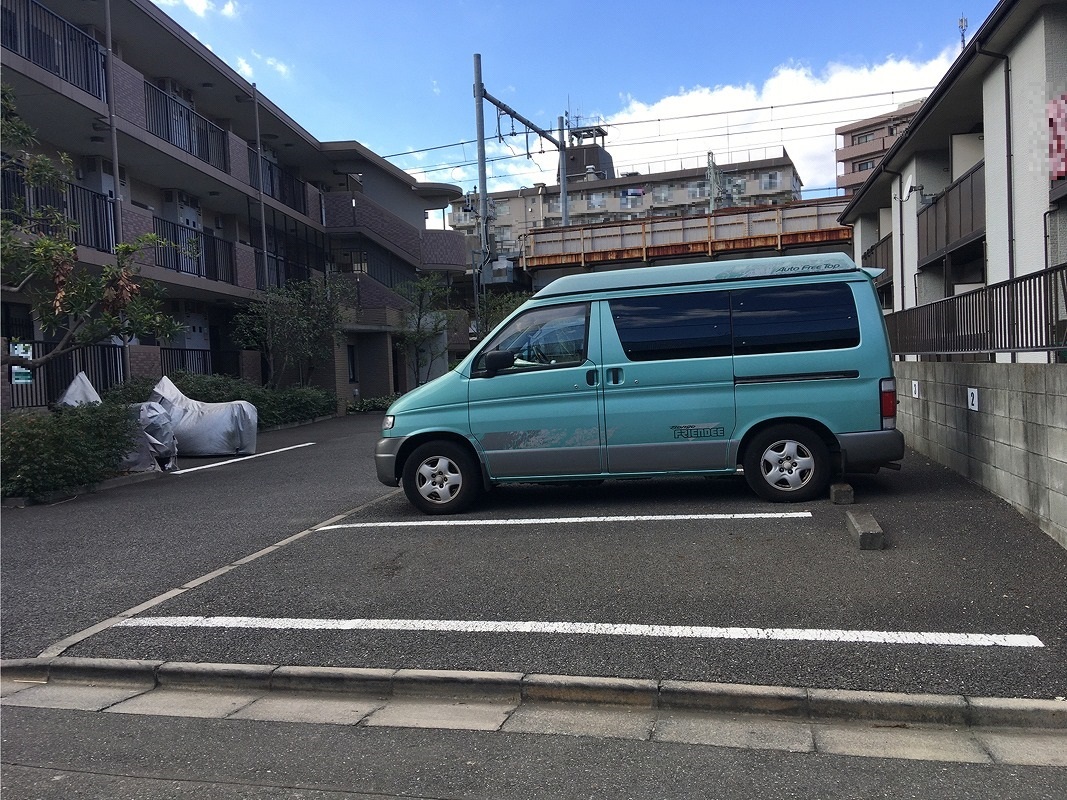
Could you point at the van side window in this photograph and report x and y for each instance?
(673, 326)
(551, 336)
(794, 318)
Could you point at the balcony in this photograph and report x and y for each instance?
(174, 121)
(194, 252)
(90, 212)
(35, 33)
(277, 183)
(872, 147)
(955, 218)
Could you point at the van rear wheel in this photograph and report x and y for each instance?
(787, 464)
(441, 478)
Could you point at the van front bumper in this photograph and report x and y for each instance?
(385, 459)
(870, 450)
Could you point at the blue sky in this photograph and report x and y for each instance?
(670, 80)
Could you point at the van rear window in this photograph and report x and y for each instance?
(784, 319)
(769, 320)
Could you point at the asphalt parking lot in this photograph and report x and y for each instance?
(300, 557)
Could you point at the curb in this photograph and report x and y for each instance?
(781, 701)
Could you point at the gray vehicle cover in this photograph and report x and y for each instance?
(208, 429)
(155, 449)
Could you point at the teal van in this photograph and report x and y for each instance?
(779, 367)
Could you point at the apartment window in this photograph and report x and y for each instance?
(661, 194)
(862, 138)
(631, 198)
(554, 205)
(596, 200)
(863, 166)
(353, 364)
(770, 181)
(503, 208)
(697, 190)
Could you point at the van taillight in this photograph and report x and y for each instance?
(888, 390)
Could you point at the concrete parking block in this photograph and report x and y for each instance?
(428, 712)
(1026, 748)
(187, 703)
(583, 719)
(74, 696)
(923, 744)
(317, 709)
(748, 732)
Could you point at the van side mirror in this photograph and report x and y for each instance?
(497, 360)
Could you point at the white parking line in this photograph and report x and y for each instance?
(592, 629)
(424, 523)
(242, 458)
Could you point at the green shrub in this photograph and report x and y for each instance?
(372, 404)
(62, 450)
(273, 406)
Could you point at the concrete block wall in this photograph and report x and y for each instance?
(1003, 426)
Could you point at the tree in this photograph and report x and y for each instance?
(495, 306)
(295, 326)
(81, 305)
(423, 338)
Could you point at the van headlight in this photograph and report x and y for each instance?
(387, 423)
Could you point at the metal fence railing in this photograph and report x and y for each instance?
(101, 363)
(194, 252)
(200, 362)
(1026, 314)
(52, 43)
(90, 211)
(176, 122)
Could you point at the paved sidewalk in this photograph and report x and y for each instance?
(874, 724)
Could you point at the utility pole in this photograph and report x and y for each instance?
(480, 94)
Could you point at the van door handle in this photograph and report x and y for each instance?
(591, 377)
(615, 375)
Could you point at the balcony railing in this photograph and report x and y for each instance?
(174, 121)
(1027, 314)
(35, 33)
(277, 183)
(274, 272)
(90, 211)
(956, 216)
(195, 252)
(880, 256)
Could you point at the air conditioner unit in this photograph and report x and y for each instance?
(97, 173)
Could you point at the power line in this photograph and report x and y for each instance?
(694, 116)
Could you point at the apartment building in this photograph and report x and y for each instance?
(203, 159)
(967, 215)
(596, 195)
(862, 145)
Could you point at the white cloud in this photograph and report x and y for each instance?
(245, 68)
(199, 7)
(796, 108)
(278, 66)
(231, 10)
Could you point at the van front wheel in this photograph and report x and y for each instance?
(787, 464)
(441, 478)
